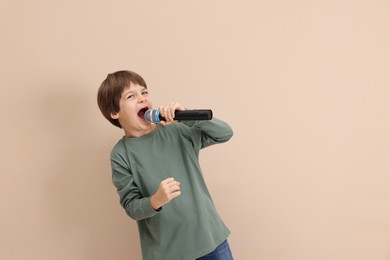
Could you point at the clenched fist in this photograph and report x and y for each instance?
(167, 191)
(168, 112)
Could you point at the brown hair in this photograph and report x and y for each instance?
(111, 89)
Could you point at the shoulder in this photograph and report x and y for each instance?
(118, 153)
(118, 148)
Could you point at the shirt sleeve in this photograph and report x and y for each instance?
(136, 206)
(210, 132)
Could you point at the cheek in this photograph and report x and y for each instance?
(149, 102)
(127, 109)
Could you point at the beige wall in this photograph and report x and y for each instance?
(304, 84)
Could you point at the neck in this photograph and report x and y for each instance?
(138, 133)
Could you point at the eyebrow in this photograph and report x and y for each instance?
(132, 91)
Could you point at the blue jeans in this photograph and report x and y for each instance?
(222, 252)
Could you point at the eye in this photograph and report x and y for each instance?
(130, 96)
(145, 92)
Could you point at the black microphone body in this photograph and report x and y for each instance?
(153, 115)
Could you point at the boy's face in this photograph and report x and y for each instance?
(134, 102)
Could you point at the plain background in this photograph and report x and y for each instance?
(304, 84)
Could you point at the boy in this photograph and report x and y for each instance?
(156, 171)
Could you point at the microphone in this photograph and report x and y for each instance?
(153, 115)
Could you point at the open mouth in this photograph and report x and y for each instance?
(141, 113)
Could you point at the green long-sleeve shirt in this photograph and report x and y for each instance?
(189, 226)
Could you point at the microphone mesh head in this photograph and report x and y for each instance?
(152, 116)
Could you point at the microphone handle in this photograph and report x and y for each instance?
(202, 114)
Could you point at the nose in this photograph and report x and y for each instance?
(141, 99)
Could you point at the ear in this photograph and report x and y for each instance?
(114, 115)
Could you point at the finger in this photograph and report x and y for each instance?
(162, 111)
(164, 123)
(174, 195)
(173, 186)
(176, 106)
(171, 108)
(170, 187)
(167, 180)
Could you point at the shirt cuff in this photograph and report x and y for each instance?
(148, 209)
